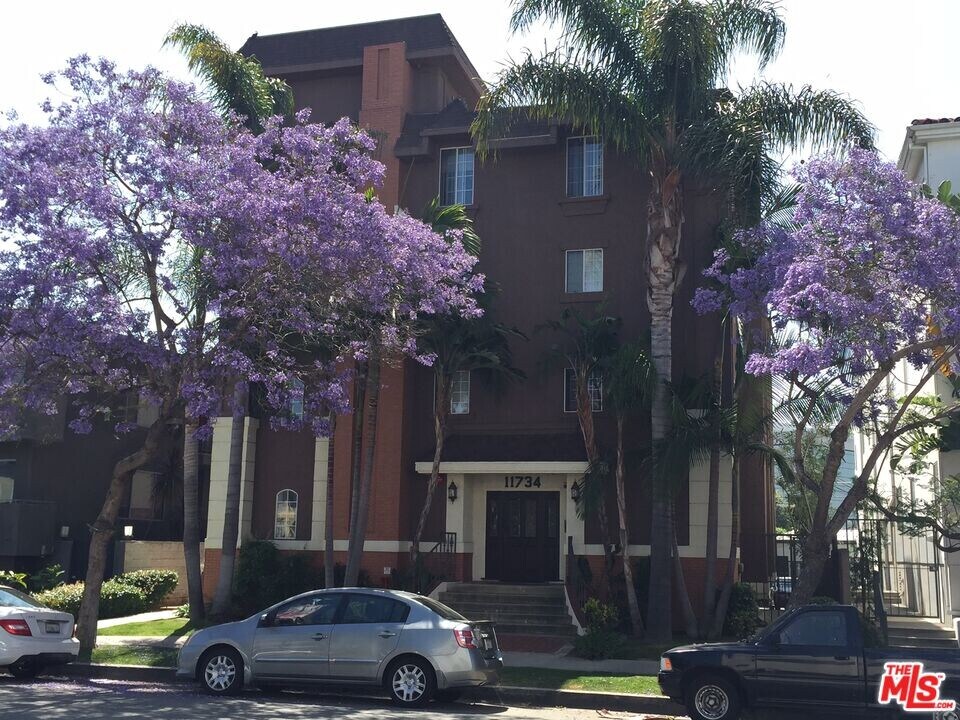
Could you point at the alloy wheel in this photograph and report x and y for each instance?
(220, 673)
(409, 683)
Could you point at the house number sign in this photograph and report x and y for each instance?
(521, 481)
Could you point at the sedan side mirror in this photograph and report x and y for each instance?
(265, 620)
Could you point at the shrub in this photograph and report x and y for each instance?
(116, 599)
(155, 584)
(599, 644)
(182, 611)
(600, 616)
(822, 600)
(17, 581)
(743, 613)
(47, 579)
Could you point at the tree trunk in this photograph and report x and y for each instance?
(358, 533)
(636, 623)
(689, 617)
(664, 221)
(191, 520)
(329, 560)
(816, 549)
(231, 514)
(356, 451)
(713, 498)
(440, 408)
(723, 601)
(102, 531)
(585, 418)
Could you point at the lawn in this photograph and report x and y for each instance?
(128, 655)
(172, 627)
(573, 680)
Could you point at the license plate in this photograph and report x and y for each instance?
(53, 628)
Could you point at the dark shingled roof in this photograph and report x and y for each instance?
(933, 121)
(560, 447)
(345, 44)
(456, 118)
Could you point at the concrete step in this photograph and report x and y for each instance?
(554, 630)
(478, 610)
(509, 618)
(459, 596)
(499, 589)
(514, 609)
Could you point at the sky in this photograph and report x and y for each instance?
(895, 57)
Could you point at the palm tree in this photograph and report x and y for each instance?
(587, 345)
(237, 83)
(238, 86)
(645, 75)
(628, 386)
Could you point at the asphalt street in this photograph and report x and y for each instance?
(50, 699)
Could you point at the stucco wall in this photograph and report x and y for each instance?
(159, 555)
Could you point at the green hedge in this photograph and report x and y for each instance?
(127, 594)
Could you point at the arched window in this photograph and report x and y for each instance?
(285, 518)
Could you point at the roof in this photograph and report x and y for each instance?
(344, 45)
(934, 121)
(541, 447)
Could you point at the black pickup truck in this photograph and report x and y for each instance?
(813, 659)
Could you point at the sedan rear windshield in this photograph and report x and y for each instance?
(14, 598)
(440, 609)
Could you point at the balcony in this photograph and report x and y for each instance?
(27, 528)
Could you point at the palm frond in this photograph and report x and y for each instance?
(445, 218)
(749, 25)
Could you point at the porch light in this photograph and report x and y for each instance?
(452, 491)
(575, 492)
(128, 531)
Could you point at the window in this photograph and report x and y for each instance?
(816, 628)
(584, 167)
(456, 176)
(594, 388)
(373, 609)
(285, 519)
(6, 489)
(584, 271)
(309, 610)
(460, 393)
(296, 399)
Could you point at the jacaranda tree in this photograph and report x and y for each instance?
(866, 277)
(148, 245)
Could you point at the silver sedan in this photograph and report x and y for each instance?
(414, 647)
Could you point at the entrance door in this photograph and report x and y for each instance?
(523, 536)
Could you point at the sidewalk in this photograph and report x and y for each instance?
(142, 617)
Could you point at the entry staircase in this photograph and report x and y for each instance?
(920, 632)
(516, 609)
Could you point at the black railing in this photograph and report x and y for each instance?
(437, 564)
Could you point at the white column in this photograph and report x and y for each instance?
(219, 470)
(320, 468)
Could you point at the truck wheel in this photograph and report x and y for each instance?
(710, 697)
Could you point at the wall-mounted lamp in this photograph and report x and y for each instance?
(576, 491)
(128, 531)
(64, 532)
(452, 491)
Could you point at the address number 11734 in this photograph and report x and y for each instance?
(521, 481)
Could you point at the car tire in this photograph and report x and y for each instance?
(24, 669)
(410, 682)
(710, 697)
(221, 671)
(450, 695)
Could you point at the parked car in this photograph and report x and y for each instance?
(413, 646)
(818, 658)
(33, 637)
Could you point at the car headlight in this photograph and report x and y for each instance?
(665, 664)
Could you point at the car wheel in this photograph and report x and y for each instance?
(24, 669)
(221, 671)
(410, 682)
(448, 696)
(713, 698)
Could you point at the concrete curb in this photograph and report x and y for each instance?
(502, 695)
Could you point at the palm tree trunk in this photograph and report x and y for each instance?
(102, 532)
(231, 513)
(713, 499)
(636, 623)
(440, 406)
(191, 520)
(358, 532)
(664, 222)
(724, 600)
(329, 566)
(585, 418)
(356, 451)
(689, 617)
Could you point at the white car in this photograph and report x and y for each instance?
(33, 637)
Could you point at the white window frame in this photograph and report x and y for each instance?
(594, 374)
(453, 390)
(291, 498)
(456, 189)
(296, 403)
(583, 178)
(583, 270)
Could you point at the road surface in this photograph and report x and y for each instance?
(53, 699)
